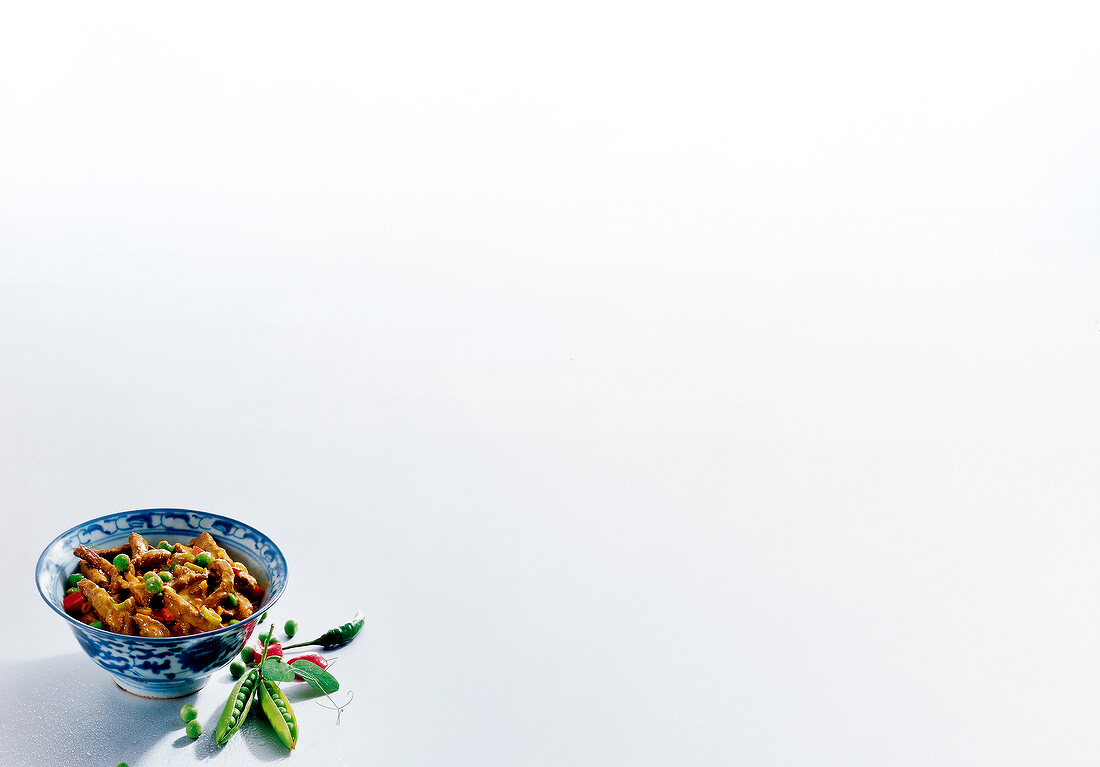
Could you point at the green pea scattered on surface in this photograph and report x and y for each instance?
(204, 558)
(194, 729)
(123, 764)
(122, 562)
(248, 654)
(236, 668)
(96, 624)
(291, 628)
(188, 713)
(74, 579)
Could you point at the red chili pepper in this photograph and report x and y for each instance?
(312, 657)
(274, 650)
(73, 601)
(195, 550)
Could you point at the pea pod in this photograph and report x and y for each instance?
(279, 713)
(237, 707)
(335, 637)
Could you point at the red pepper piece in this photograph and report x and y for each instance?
(312, 657)
(73, 601)
(274, 650)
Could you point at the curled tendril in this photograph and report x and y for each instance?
(338, 709)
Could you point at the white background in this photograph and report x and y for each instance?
(669, 384)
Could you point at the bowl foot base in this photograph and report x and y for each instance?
(161, 689)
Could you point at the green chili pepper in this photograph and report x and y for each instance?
(74, 579)
(230, 601)
(237, 707)
(96, 624)
(337, 636)
(164, 545)
(279, 713)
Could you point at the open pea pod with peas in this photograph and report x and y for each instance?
(261, 682)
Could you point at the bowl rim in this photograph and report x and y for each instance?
(182, 640)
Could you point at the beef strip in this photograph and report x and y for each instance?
(224, 571)
(243, 581)
(117, 619)
(138, 545)
(184, 577)
(206, 542)
(95, 559)
(94, 574)
(153, 558)
(149, 626)
(243, 608)
(182, 607)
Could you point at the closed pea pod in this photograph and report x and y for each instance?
(279, 713)
(237, 707)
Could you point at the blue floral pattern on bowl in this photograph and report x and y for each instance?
(162, 667)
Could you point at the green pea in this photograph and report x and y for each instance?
(188, 713)
(123, 764)
(248, 654)
(204, 558)
(236, 668)
(230, 601)
(153, 584)
(291, 628)
(122, 563)
(96, 624)
(194, 729)
(74, 579)
(164, 545)
(165, 576)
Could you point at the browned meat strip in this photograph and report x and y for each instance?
(182, 607)
(151, 558)
(244, 582)
(149, 626)
(95, 559)
(94, 574)
(116, 617)
(243, 608)
(138, 545)
(206, 542)
(224, 572)
(184, 577)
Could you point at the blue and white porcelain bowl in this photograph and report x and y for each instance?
(162, 667)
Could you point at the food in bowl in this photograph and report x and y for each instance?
(161, 666)
(170, 590)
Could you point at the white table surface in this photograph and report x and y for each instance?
(667, 385)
